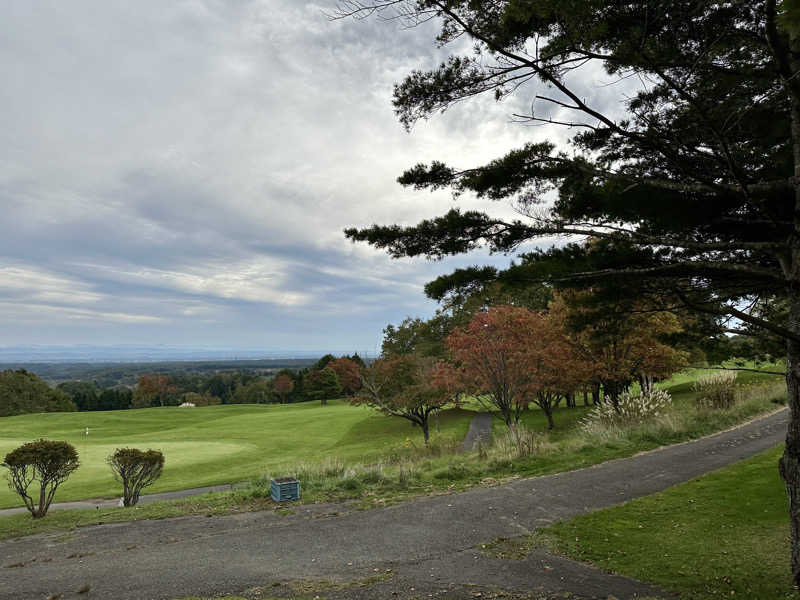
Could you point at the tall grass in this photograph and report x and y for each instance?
(520, 451)
(686, 421)
(716, 390)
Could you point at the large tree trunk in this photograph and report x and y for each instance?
(790, 461)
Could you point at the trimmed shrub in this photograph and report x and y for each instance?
(135, 469)
(48, 462)
(716, 390)
(632, 410)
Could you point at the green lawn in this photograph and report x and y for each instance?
(216, 444)
(342, 452)
(720, 536)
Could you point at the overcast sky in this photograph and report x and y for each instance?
(180, 173)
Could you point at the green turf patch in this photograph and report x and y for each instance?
(217, 444)
(351, 453)
(719, 536)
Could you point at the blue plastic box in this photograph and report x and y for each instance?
(285, 488)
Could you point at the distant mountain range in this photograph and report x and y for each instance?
(127, 354)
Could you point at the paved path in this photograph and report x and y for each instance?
(480, 430)
(99, 503)
(429, 544)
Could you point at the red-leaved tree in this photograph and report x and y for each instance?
(510, 357)
(624, 342)
(154, 390)
(409, 386)
(282, 386)
(349, 374)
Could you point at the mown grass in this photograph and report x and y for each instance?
(216, 444)
(722, 535)
(403, 467)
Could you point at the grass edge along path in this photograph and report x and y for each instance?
(722, 535)
(367, 485)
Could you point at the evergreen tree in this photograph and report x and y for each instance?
(22, 392)
(323, 385)
(692, 197)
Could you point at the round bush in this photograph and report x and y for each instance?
(135, 469)
(48, 462)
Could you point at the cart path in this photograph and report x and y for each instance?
(100, 503)
(429, 544)
(480, 431)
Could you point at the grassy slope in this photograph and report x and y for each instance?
(217, 444)
(680, 386)
(723, 535)
(354, 438)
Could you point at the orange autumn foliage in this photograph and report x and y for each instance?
(510, 357)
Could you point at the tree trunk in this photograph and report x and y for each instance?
(648, 384)
(549, 413)
(585, 397)
(790, 461)
(424, 424)
(611, 392)
(40, 510)
(596, 394)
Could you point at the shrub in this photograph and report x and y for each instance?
(135, 469)
(716, 390)
(632, 410)
(48, 462)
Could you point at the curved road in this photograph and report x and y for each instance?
(423, 548)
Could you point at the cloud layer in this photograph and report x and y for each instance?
(180, 173)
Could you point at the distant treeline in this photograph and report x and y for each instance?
(22, 391)
(107, 375)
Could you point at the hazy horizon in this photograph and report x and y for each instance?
(132, 353)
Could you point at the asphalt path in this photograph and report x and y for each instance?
(421, 548)
(480, 431)
(98, 503)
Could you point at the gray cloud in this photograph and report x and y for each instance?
(181, 173)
